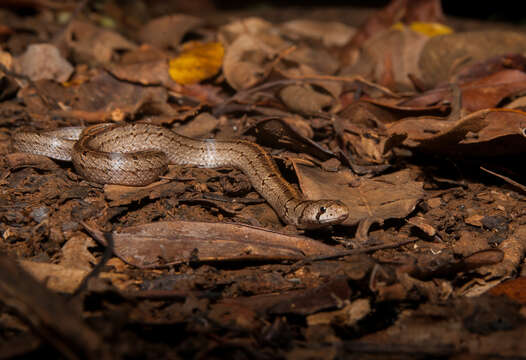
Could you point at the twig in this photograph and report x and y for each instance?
(295, 80)
(364, 250)
(49, 316)
(106, 255)
(506, 179)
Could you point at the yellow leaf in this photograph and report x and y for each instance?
(430, 28)
(425, 28)
(197, 62)
(398, 26)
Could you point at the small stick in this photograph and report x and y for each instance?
(505, 178)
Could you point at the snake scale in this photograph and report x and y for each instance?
(137, 154)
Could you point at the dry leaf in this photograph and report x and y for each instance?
(384, 197)
(247, 62)
(197, 62)
(389, 58)
(162, 243)
(488, 132)
(93, 43)
(168, 30)
(250, 25)
(348, 316)
(75, 253)
(447, 55)
(201, 126)
(56, 277)
(430, 28)
(43, 61)
(304, 99)
(329, 33)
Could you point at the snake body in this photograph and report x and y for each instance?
(137, 154)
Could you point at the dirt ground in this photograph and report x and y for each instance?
(414, 120)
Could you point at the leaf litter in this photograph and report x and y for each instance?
(417, 126)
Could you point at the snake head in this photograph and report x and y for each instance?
(320, 213)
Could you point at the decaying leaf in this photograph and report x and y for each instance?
(163, 243)
(168, 30)
(250, 25)
(75, 253)
(93, 43)
(247, 61)
(43, 61)
(446, 55)
(56, 277)
(390, 57)
(384, 197)
(329, 33)
(304, 99)
(103, 98)
(488, 132)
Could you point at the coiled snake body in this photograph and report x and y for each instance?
(137, 154)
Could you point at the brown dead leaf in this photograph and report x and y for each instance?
(475, 220)
(491, 66)
(101, 99)
(56, 277)
(421, 223)
(397, 10)
(384, 197)
(248, 61)
(201, 126)
(163, 243)
(328, 33)
(514, 289)
(75, 253)
(43, 61)
(347, 316)
(389, 58)
(19, 160)
(249, 25)
(168, 31)
(119, 195)
(332, 294)
(445, 56)
(66, 279)
(484, 92)
(488, 132)
(314, 60)
(362, 133)
(488, 92)
(91, 43)
(153, 72)
(304, 99)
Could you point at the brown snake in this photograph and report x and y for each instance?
(137, 154)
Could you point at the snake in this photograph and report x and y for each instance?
(137, 154)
